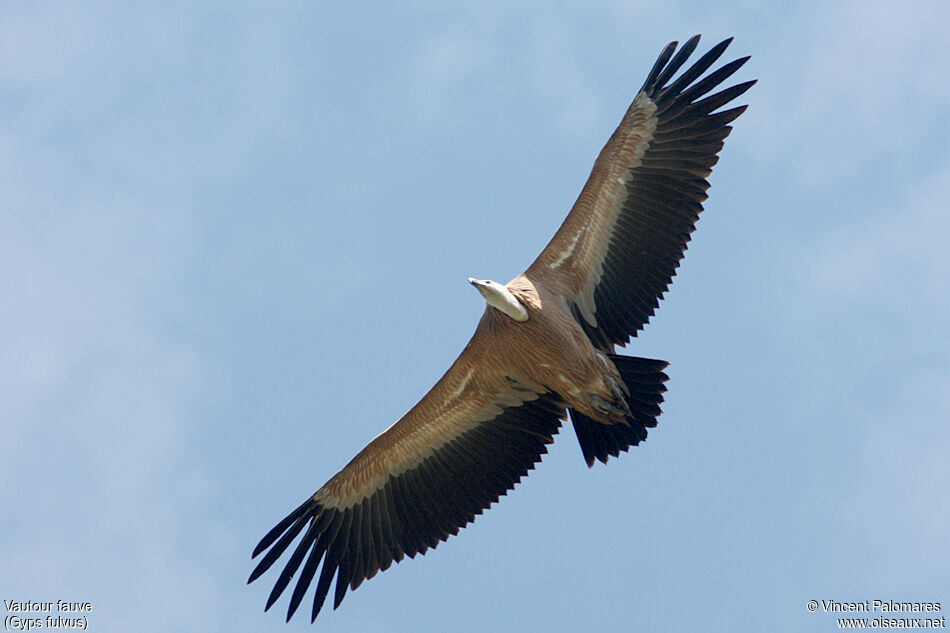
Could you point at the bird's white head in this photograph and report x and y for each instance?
(497, 296)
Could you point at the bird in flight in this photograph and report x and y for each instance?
(544, 350)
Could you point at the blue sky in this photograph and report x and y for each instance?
(233, 248)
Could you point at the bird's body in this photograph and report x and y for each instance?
(543, 349)
(469, 389)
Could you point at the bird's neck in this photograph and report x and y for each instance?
(502, 299)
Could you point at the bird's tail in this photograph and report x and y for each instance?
(644, 378)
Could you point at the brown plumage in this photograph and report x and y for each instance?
(544, 347)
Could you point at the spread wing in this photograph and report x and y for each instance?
(466, 443)
(618, 249)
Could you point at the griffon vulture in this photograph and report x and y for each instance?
(543, 350)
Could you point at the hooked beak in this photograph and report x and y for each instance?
(480, 285)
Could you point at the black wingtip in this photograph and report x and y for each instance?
(658, 65)
(262, 567)
(257, 573)
(723, 45)
(671, 60)
(675, 63)
(280, 528)
(274, 595)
